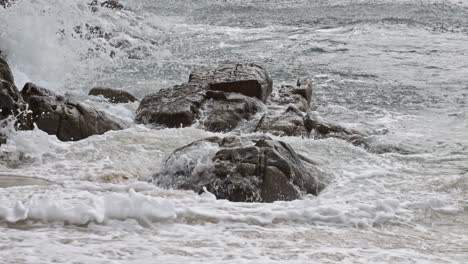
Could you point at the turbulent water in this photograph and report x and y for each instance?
(398, 69)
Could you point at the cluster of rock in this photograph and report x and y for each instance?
(230, 97)
(240, 97)
(218, 99)
(234, 97)
(52, 113)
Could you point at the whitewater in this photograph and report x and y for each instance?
(398, 69)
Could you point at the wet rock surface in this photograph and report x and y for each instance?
(5, 72)
(183, 105)
(111, 4)
(113, 95)
(11, 102)
(6, 3)
(287, 123)
(225, 111)
(247, 79)
(241, 169)
(299, 96)
(174, 107)
(64, 118)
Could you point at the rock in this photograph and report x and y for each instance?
(297, 96)
(304, 89)
(112, 4)
(90, 32)
(5, 72)
(11, 102)
(6, 3)
(113, 95)
(320, 127)
(174, 107)
(247, 79)
(182, 105)
(219, 99)
(225, 111)
(288, 123)
(67, 120)
(241, 169)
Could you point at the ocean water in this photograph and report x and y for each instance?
(397, 70)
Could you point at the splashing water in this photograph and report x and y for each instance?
(393, 67)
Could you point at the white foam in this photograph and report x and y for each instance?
(91, 208)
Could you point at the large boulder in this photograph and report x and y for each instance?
(113, 95)
(183, 105)
(241, 169)
(247, 79)
(174, 107)
(225, 111)
(64, 118)
(218, 99)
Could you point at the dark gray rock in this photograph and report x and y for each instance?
(11, 102)
(68, 120)
(174, 107)
(287, 123)
(113, 95)
(241, 169)
(6, 3)
(247, 79)
(323, 128)
(299, 96)
(182, 105)
(112, 4)
(319, 128)
(224, 111)
(304, 89)
(5, 72)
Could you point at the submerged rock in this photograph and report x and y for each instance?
(299, 96)
(287, 123)
(113, 95)
(68, 120)
(241, 169)
(247, 79)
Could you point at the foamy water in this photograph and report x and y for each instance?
(395, 70)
